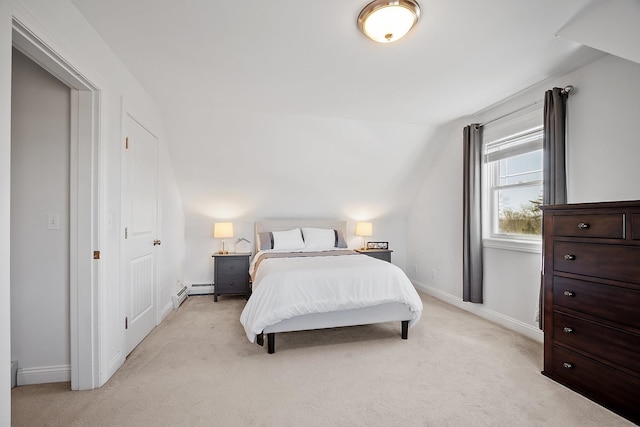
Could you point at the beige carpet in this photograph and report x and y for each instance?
(198, 369)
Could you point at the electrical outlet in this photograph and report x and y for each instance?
(415, 268)
(433, 273)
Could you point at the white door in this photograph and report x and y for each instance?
(140, 217)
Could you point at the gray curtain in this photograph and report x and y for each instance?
(553, 160)
(472, 215)
(553, 146)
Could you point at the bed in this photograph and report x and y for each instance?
(316, 283)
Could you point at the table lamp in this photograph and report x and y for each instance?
(364, 229)
(222, 230)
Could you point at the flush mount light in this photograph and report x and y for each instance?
(386, 21)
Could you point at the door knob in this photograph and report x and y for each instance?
(157, 242)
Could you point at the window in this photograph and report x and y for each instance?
(513, 176)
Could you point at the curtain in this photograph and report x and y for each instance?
(553, 147)
(472, 215)
(553, 159)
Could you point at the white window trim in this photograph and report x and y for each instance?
(530, 246)
(490, 223)
(523, 123)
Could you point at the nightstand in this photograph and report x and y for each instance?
(383, 254)
(231, 275)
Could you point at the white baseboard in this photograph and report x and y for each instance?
(44, 375)
(486, 313)
(165, 311)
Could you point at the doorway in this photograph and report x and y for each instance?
(40, 142)
(83, 213)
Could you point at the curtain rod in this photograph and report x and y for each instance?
(565, 91)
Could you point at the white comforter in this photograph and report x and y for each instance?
(287, 287)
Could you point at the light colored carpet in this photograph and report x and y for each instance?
(198, 369)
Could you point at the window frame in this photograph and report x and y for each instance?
(524, 125)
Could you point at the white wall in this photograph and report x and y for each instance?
(172, 235)
(201, 244)
(5, 204)
(603, 149)
(602, 153)
(40, 133)
(60, 26)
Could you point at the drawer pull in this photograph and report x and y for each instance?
(569, 257)
(569, 294)
(568, 330)
(568, 365)
(583, 226)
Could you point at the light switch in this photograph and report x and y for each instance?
(109, 221)
(54, 221)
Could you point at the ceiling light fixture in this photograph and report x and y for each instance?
(386, 21)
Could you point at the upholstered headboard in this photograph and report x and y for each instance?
(266, 225)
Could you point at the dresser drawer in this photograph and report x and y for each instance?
(608, 343)
(619, 305)
(232, 266)
(231, 276)
(602, 383)
(232, 281)
(614, 262)
(232, 286)
(610, 226)
(635, 226)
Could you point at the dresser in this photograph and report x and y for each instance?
(231, 275)
(592, 301)
(383, 254)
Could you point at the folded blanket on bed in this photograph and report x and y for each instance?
(261, 256)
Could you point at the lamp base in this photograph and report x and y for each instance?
(223, 252)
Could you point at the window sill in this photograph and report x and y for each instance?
(531, 246)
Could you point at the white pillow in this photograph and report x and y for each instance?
(319, 238)
(288, 240)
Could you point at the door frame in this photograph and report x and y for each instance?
(85, 196)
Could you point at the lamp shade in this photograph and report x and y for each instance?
(386, 21)
(222, 230)
(364, 229)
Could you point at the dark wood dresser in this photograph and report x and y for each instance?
(592, 301)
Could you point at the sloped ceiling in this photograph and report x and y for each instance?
(612, 26)
(282, 108)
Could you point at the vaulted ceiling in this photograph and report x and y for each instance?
(283, 108)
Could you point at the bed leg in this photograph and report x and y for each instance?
(271, 343)
(260, 339)
(405, 329)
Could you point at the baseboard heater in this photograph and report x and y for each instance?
(179, 297)
(201, 289)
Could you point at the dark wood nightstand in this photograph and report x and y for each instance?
(231, 275)
(383, 254)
